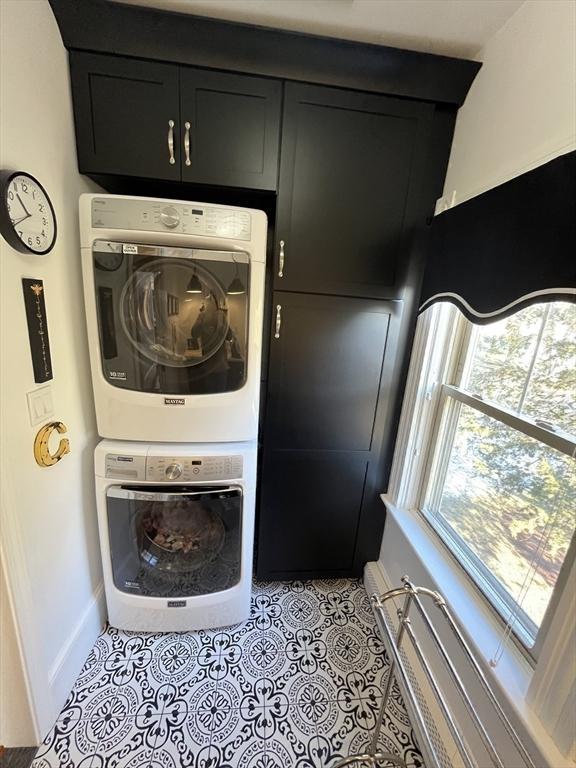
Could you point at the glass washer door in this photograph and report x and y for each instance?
(180, 542)
(157, 321)
(172, 320)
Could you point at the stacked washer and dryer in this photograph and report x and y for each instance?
(174, 297)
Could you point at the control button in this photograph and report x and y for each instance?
(196, 470)
(170, 217)
(173, 471)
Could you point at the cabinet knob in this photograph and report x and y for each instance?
(187, 143)
(172, 159)
(278, 320)
(281, 260)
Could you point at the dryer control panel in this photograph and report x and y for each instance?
(181, 218)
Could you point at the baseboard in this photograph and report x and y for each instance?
(17, 757)
(376, 580)
(72, 656)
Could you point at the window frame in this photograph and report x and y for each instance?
(434, 395)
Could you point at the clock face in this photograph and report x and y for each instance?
(108, 261)
(31, 214)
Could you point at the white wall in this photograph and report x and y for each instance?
(48, 518)
(15, 712)
(521, 109)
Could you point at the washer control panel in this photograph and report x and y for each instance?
(182, 218)
(193, 468)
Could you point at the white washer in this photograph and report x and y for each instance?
(174, 297)
(176, 529)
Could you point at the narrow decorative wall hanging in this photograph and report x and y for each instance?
(37, 329)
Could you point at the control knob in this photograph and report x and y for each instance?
(173, 471)
(170, 217)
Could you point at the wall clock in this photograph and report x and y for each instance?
(27, 219)
(109, 262)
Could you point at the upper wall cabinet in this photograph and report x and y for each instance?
(161, 121)
(233, 125)
(123, 109)
(351, 173)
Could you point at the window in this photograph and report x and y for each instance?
(498, 469)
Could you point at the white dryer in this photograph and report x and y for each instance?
(176, 532)
(174, 297)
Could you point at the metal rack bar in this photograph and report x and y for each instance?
(486, 687)
(456, 677)
(412, 595)
(437, 692)
(390, 678)
(377, 760)
(416, 717)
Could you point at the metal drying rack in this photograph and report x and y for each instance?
(378, 759)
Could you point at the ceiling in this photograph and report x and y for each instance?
(449, 27)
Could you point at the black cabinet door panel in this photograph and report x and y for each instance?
(122, 110)
(309, 513)
(234, 128)
(349, 181)
(325, 370)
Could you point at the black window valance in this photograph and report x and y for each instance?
(512, 246)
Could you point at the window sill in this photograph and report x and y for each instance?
(481, 628)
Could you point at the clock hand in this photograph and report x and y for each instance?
(23, 206)
(15, 223)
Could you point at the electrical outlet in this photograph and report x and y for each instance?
(40, 406)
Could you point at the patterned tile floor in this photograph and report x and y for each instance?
(295, 686)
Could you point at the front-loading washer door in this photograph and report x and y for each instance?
(172, 320)
(175, 542)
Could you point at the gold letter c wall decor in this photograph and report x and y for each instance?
(41, 450)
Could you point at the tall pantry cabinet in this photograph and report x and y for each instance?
(349, 197)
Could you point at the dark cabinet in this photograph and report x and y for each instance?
(349, 192)
(330, 369)
(310, 513)
(123, 109)
(161, 121)
(233, 124)
(325, 369)
(354, 191)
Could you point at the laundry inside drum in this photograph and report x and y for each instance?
(181, 537)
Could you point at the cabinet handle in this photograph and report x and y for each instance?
(171, 141)
(281, 260)
(187, 143)
(278, 320)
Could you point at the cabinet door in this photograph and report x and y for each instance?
(325, 370)
(123, 109)
(309, 513)
(350, 175)
(234, 129)
(329, 380)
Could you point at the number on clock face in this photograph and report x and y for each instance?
(31, 213)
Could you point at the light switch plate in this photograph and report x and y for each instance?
(40, 406)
